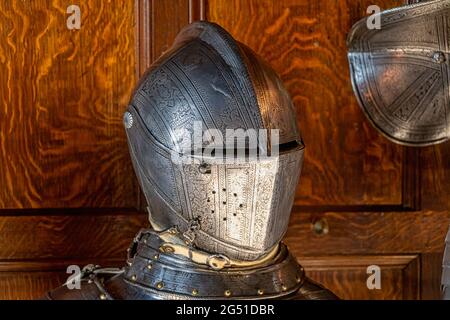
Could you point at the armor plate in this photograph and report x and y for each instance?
(400, 73)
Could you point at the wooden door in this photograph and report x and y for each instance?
(68, 194)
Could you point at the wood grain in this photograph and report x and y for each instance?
(158, 23)
(431, 271)
(32, 279)
(347, 276)
(435, 172)
(346, 161)
(67, 237)
(368, 232)
(62, 95)
(29, 285)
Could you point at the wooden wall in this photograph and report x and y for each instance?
(67, 190)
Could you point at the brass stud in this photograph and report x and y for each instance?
(133, 277)
(160, 285)
(227, 293)
(283, 288)
(298, 279)
(194, 292)
(156, 256)
(145, 241)
(90, 281)
(149, 266)
(102, 296)
(260, 292)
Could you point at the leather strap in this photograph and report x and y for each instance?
(215, 261)
(175, 242)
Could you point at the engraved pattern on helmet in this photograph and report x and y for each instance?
(243, 208)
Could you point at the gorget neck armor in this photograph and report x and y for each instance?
(217, 218)
(400, 72)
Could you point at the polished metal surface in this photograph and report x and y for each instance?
(400, 73)
(154, 274)
(240, 209)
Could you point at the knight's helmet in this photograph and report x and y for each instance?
(209, 82)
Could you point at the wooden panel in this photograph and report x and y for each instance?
(29, 285)
(367, 232)
(32, 279)
(346, 161)
(159, 21)
(62, 95)
(347, 276)
(431, 265)
(73, 236)
(435, 171)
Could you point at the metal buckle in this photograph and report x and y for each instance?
(190, 234)
(218, 261)
(131, 251)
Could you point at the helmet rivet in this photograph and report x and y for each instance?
(149, 266)
(102, 296)
(204, 168)
(283, 288)
(128, 120)
(160, 285)
(194, 292)
(227, 293)
(439, 57)
(260, 292)
(133, 277)
(156, 256)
